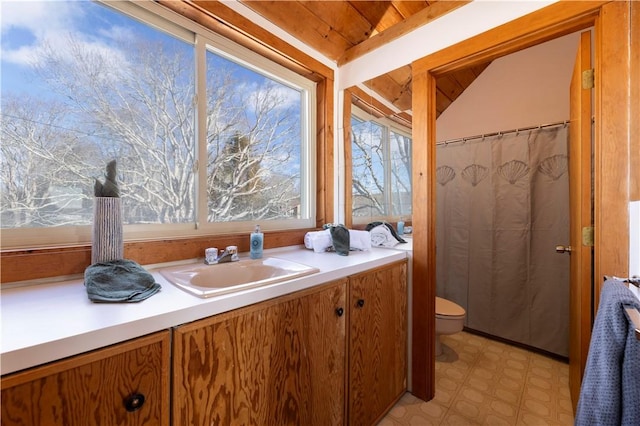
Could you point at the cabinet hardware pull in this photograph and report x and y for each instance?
(133, 402)
(339, 312)
(360, 303)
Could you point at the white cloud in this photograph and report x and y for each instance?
(43, 21)
(118, 33)
(38, 17)
(288, 97)
(52, 25)
(285, 96)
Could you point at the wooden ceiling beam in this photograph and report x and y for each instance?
(478, 69)
(343, 18)
(381, 14)
(421, 18)
(301, 23)
(450, 86)
(409, 8)
(386, 88)
(402, 76)
(466, 76)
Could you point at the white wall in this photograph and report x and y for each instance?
(526, 88)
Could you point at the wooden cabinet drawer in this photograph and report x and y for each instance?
(124, 384)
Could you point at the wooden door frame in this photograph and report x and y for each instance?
(612, 144)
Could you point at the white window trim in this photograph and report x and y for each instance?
(392, 125)
(239, 54)
(151, 13)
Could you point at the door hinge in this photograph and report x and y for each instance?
(588, 79)
(587, 236)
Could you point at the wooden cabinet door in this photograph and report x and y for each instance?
(279, 362)
(124, 384)
(377, 342)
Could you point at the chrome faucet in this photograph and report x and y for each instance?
(230, 254)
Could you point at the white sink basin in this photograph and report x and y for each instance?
(213, 280)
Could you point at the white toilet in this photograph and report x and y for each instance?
(449, 320)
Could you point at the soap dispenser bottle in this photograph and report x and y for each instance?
(256, 242)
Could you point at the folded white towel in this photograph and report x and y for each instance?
(381, 236)
(308, 238)
(359, 240)
(319, 241)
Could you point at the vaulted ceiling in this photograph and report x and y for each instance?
(344, 30)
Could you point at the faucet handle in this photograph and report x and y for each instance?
(210, 255)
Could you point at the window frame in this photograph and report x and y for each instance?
(185, 29)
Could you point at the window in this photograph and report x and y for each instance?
(197, 152)
(381, 169)
(253, 144)
(400, 165)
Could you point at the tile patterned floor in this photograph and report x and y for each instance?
(484, 382)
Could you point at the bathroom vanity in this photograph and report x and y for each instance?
(328, 348)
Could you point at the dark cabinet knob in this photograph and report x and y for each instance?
(133, 402)
(360, 303)
(339, 311)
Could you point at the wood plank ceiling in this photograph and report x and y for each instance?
(344, 30)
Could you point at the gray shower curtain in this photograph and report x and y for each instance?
(502, 207)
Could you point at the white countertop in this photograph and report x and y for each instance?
(47, 322)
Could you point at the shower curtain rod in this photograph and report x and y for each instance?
(504, 132)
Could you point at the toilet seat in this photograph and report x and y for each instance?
(447, 309)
